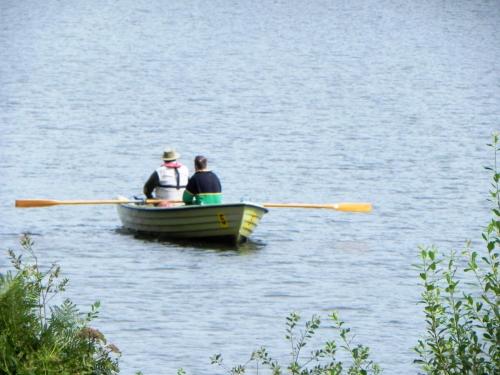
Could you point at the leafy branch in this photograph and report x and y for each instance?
(319, 361)
(36, 337)
(462, 325)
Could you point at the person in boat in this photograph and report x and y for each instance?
(204, 186)
(169, 180)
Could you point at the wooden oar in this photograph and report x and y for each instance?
(347, 206)
(25, 203)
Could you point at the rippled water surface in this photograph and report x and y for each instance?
(319, 101)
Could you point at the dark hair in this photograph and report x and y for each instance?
(200, 162)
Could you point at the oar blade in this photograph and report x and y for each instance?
(26, 203)
(354, 207)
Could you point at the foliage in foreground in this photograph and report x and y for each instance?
(320, 361)
(463, 323)
(37, 338)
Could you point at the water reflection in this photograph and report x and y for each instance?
(247, 247)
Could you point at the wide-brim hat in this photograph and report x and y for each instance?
(170, 154)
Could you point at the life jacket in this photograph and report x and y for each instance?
(173, 180)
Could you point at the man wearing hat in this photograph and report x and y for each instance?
(169, 180)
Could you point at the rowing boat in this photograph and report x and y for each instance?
(230, 222)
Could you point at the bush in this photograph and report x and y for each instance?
(463, 326)
(320, 361)
(36, 338)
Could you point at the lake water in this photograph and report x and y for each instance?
(385, 101)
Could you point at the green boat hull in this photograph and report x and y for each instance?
(232, 222)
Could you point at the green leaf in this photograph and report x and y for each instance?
(432, 254)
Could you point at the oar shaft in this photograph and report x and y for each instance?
(92, 202)
(298, 205)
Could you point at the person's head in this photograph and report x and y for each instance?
(200, 163)
(170, 155)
